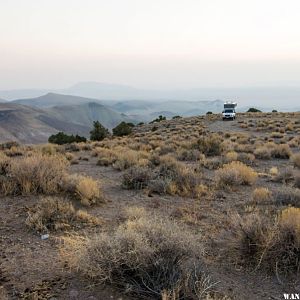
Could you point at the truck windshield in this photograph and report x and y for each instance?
(228, 111)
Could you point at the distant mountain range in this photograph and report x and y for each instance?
(31, 119)
(53, 99)
(31, 124)
(132, 109)
(275, 97)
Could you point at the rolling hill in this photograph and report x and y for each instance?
(70, 107)
(31, 125)
(53, 99)
(146, 110)
(284, 98)
(84, 114)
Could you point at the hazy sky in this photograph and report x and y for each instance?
(149, 43)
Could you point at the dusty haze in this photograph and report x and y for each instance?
(150, 44)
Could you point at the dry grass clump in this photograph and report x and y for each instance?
(276, 135)
(285, 175)
(274, 171)
(189, 155)
(85, 188)
(70, 156)
(212, 163)
(270, 149)
(231, 156)
(235, 173)
(262, 152)
(35, 174)
(105, 156)
(281, 151)
(272, 245)
(246, 158)
(287, 196)
(128, 158)
(52, 213)
(147, 255)
(178, 178)
(137, 178)
(15, 151)
(296, 160)
(171, 177)
(210, 145)
(261, 194)
(49, 149)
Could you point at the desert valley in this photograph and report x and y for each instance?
(186, 208)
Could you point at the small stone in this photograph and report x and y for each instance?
(45, 236)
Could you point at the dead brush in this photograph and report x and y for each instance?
(15, 151)
(262, 152)
(261, 194)
(128, 158)
(86, 189)
(270, 244)
(53, 213)
(147, 255)
(179, 178)
(210, 145)
(282, 151)
(235, 173)
(35, 174)
(188, 155)
(137, 178)
(287, 196)
(296, 160)
(231, 156)
(285, 175)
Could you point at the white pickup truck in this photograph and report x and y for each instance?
(229, 111)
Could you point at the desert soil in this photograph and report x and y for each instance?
(30, 268)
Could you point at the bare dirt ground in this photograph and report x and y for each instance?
(30, 268)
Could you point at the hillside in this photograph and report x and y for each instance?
(286, 97)
(53, 99)
(188, 206)
(85, 114)
(31, 125)
(77, 109)
(147, 110)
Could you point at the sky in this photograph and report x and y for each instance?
(159, 44)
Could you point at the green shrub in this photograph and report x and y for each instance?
(99, 132)
(253, 109)
(61, 138)
(123, 129)
(159, 119)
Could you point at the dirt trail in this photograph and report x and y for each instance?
(220, 125)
